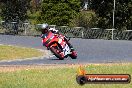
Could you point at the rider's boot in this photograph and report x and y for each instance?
(73, 52)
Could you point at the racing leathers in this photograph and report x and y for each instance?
(53, 30)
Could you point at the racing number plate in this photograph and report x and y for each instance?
(66, 50)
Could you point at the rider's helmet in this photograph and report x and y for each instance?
(44, 28)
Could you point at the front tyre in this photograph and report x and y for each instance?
(57, 53)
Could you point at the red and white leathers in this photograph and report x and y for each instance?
(55, 31)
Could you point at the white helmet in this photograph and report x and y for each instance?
(44, 26)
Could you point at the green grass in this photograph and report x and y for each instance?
(62, 77)
(12, 52)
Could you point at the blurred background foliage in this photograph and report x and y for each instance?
(69, 12)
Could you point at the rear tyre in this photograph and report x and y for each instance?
(57, 53)
(73, 56)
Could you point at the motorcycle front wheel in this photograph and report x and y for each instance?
(57, 53)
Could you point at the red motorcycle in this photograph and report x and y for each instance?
(58, 46)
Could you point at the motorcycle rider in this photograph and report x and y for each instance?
(45, 29)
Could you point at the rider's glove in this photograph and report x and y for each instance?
(43, 36)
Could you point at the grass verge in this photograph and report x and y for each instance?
(13, 52)
(59, 76)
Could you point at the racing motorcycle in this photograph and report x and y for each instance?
(58, 46)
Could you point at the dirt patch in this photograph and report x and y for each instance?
(12, 68)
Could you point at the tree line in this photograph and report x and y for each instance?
(69, 12)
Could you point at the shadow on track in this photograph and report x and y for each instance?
(54, 59)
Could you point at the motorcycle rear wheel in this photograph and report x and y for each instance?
(73, 56)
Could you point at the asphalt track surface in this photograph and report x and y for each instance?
(89, 51)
